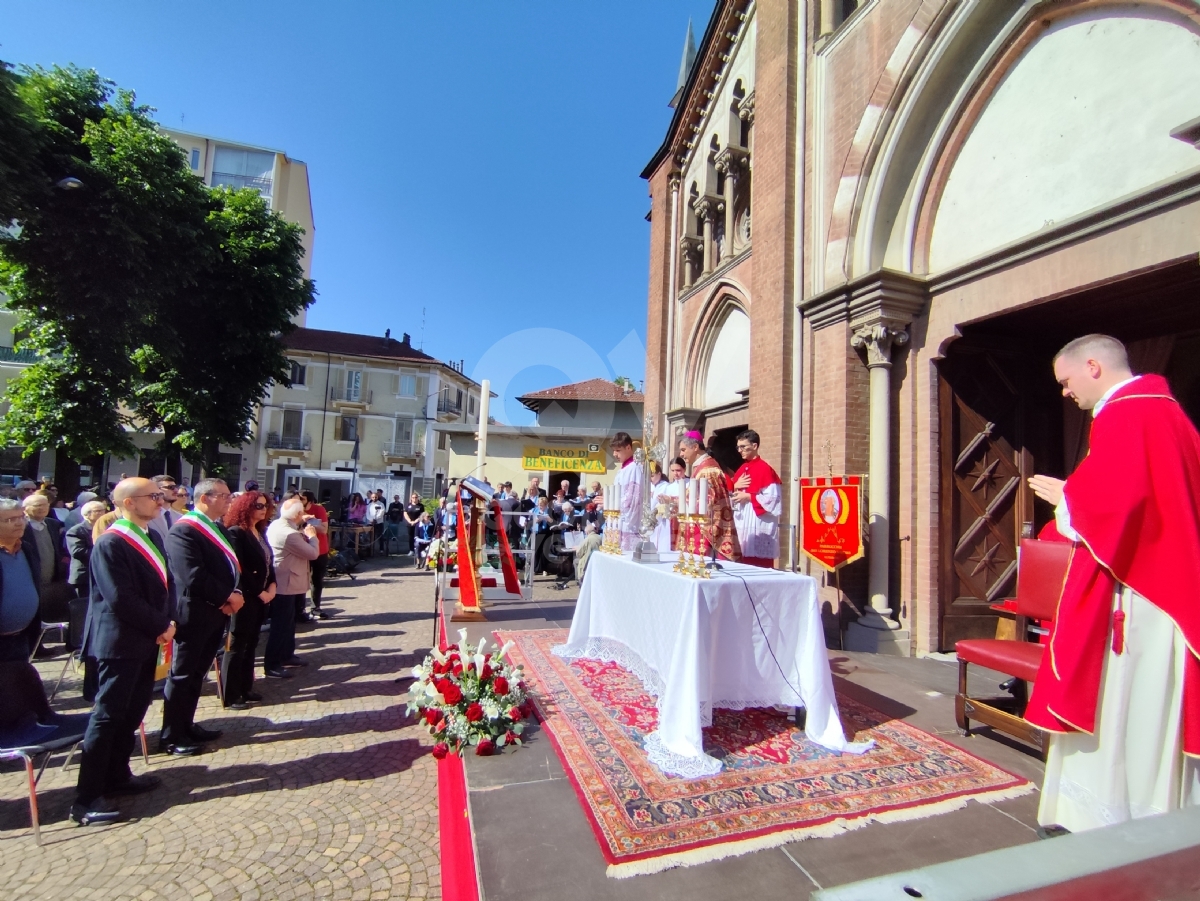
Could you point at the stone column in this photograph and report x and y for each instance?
(877, 341)
(730, 187)
(707, 216)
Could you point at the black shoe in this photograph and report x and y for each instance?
(279, 673)
(253, 697)
(199, 733)
(180, 749)
(306, 618)
(293, 663)
(136, 785)
(240, 704)
(321, 614)
(98, 811)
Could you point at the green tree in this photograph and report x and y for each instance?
(21, 186)
(624, 383)
(91, 269)
(202, 386)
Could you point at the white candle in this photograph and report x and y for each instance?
(680, 487)
(694, 500)
(703, 492)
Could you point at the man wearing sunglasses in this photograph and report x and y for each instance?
(206, 572)
(167, 517)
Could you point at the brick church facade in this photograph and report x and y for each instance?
(872, 225)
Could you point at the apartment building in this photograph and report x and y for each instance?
(281, 180)
(358, 415)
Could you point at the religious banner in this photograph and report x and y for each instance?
(831, 514)
(538, 457)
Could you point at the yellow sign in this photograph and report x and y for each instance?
(564, 459)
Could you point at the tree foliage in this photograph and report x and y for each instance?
(152, 301)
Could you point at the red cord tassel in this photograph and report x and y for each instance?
(1118, 630)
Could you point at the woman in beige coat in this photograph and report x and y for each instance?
(295, 545)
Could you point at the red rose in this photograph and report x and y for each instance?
(456, 669)
(451, 692)
(485, 673)
(485, 747)
(440, 750)
(474, 712)
(432, 715)
(500, 686)
(516, 713)
(526, 708)
(453, 647)
(511, 738)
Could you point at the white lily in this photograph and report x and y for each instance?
(508, 645)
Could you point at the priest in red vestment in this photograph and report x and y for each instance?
(1119, 686)
(757, 504)
(718, 531)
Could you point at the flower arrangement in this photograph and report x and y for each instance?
(470, 697)
(441, 551)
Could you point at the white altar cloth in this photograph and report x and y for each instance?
(697, 644)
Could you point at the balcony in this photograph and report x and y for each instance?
(350, 398)
(237, 182)
(12, 355)
(396, 451)
(288, 445)
(448, 409)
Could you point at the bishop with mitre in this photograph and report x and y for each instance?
(1119, 685)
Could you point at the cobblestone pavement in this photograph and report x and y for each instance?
(325, 790)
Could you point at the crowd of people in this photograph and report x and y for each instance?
(165, 574)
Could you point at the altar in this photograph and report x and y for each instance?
(746, 637)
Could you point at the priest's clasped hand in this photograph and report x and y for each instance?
(1048, 489)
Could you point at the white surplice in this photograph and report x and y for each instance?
(628, 488)
(759, 535)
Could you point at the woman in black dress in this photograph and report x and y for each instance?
(247, 521)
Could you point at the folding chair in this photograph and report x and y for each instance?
(25, 738)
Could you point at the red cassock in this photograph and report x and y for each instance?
(1135, 502)
(762, 475)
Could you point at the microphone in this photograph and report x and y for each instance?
(713, 564)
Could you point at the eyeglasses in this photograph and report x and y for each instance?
(157, 496)
(260, 506)
(744, 447)
(219, 496)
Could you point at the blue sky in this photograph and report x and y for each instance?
(478, 161)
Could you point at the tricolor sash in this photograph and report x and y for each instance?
(209, 530)
(141, 542)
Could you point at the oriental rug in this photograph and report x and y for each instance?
(776, 786)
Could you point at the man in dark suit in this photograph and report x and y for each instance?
(129, 617)
(20, 624)
(206, 572)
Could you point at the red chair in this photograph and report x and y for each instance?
(1040, 575)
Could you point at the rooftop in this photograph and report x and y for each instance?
(315, 340)
(592, 389)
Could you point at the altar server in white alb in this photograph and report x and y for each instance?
(757, 504)
(627, 491)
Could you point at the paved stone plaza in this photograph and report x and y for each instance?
(325, 790)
